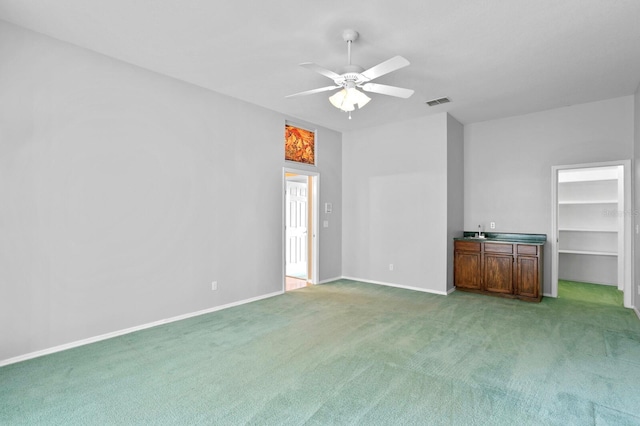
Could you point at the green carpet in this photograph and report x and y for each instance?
(352, 353)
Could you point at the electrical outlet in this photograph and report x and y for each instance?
(391, 266)
(492, 225)
(214, 285)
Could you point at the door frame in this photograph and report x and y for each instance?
(627, 235)
(312, 229)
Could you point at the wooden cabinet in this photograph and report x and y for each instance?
(468, 269)
(499, 268)
(527, 277)
(467, 265)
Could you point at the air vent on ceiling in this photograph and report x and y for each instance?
(438, 101)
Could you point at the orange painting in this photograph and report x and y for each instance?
(299, 145)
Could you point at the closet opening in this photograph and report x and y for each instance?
(591, 221)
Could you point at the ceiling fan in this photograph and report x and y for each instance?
(354, 77)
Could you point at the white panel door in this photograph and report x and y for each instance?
(296, 230)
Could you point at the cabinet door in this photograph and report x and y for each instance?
(498, 273)
(466, 270)
(527, 280)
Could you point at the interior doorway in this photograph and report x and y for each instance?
(591, 225)
(299, 228)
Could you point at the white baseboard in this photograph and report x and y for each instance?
(637, 312)
(406, 287)
(328, 280)
(112, 334)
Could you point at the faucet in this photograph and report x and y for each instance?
(480, 233)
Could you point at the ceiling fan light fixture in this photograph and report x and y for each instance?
(357, 97)
(337, 99)
(353, 77)
(347, 98)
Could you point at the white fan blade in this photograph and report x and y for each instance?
(383, 89)
(386, 67)
(311, 92)
(320, 70)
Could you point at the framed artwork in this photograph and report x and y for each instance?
(299, 145)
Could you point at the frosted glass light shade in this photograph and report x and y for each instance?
(337, 99)
(346, 99)
(356, 97)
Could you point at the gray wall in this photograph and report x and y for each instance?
(395, 203)
(455, 189)
(635, 297)
(508, 162)
(125, 193)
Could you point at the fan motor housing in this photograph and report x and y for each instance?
(351, 73)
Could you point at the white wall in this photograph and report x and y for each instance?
(125, 193)
(455, 189)
(635, 297)
(395, 203)
(508, 162)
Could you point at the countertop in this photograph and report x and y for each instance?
(505, 238)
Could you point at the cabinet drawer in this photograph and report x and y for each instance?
(526, 249)
(498, 248)
(467, 245)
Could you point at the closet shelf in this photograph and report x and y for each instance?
(591, 253)
(588, 202)
(610, 231)
(594, 179)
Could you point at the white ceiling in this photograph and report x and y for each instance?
(492, 58)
